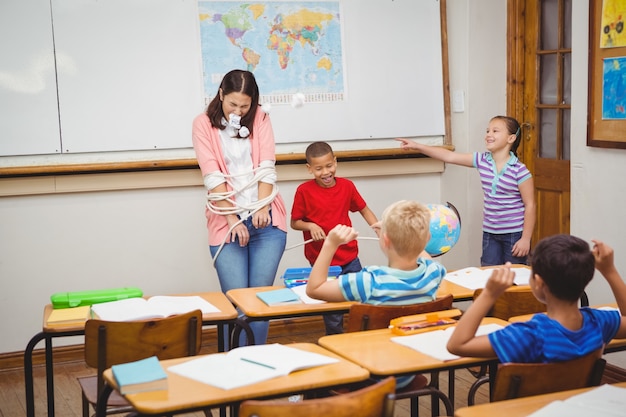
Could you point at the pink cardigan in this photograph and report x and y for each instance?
(208, 147)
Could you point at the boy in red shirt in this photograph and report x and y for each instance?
(322, 203)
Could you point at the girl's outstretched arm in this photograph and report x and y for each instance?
(436, 152)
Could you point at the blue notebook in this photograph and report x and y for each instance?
(140, 376)
(279, 297)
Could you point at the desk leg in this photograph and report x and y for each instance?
(434, 381)
(28, 373)
(493, 368)
(239, 325)
(49, 376)
(451, 386)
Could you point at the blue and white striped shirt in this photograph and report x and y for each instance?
(543, 340)
(390, 286)
(503, 210)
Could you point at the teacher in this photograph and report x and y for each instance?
(246, 216)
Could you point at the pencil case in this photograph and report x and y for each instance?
(419, 323)
(87, 298)
(299, 276)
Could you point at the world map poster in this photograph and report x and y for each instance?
(291, 47)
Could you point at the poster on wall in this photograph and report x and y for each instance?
(291, 47)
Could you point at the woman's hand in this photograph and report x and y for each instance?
(239, 232)
(262, 218)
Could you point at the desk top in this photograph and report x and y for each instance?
(519, 407)
(374, 350)
(187, 394)
(253, 307)
(218, 299)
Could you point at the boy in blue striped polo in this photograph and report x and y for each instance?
(410, 277)
(562, 266)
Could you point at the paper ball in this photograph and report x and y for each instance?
(297, 100)
(244, 132)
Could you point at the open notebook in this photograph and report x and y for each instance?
(433, 343)
(474, 278)
(249, 364)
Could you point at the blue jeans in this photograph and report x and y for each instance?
(497, 249)
(334, 322)
(254, 265)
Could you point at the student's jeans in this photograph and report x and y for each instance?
(334, 322)
(497, 249)
(253, 265)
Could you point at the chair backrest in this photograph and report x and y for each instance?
(370, 317)
(376, 400)
(514, 380)
(515, 301)
(109, 343)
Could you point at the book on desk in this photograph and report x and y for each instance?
(249, 364)
(280, 296)
(159, 306)
(140, 376)
(68, 316)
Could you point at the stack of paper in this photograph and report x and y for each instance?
(604, 401)
(140, 376)
(434, 343)
(249, 364)
(154, 307)
(474, 278)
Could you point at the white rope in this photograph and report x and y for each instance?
(236, 208)
(311, 240)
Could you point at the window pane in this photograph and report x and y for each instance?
(567, 120)
(567, 78)
(547, 81)
(549, 24)
(547, 133)
(567, 24)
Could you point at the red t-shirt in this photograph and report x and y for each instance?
(327, 207)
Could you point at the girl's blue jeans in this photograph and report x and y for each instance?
(254, 265)
(497, 249)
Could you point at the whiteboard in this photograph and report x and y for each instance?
(29, 121)
(129, 78)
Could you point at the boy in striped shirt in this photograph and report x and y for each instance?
(562, 266)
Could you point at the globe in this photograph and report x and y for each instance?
(445, 228)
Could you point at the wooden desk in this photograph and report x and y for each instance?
(519, 407)
(186, 395)
(255, 309)
(461, 293)
(458, 292)
(374, 351)
(364, 348)
(227, 315)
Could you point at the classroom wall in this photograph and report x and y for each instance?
(156, 237)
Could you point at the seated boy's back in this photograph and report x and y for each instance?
(411, 275)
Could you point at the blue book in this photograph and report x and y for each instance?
(140, 376)
(279, 297)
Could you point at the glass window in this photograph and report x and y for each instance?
(549, 25)
(547, 79)
(547, 133)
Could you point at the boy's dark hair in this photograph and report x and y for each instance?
(236, 81)
(565, 263)
(317, 149)
(514, 128)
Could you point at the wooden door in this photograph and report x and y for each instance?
(539, 91)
